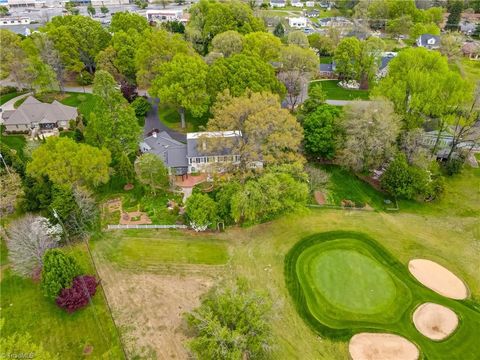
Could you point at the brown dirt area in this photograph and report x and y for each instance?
(439, 279)
(319, 198)
(149, 308)
(127, 218)
(377, 346)
(435, 321)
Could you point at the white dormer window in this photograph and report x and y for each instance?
(431, 41)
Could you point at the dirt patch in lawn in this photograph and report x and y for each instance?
(435, 321)
(148, 308)
(439, 279)
(378, 346)
(320, 198)
(134, 218)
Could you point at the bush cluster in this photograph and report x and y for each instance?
(77, 296)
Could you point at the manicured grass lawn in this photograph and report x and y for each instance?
(4, 98)
(84, 103)
(335, 92)
(344, 185)
(171, 118)
(345, 283)
(470, 69)
(16, 142)
(145, 249)
(25, 309)
(326, 59)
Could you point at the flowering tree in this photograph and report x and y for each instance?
(28, 239)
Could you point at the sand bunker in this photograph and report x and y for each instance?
(376, 346)
(435, 321)
(438, 278)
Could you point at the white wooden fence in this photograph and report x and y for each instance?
(122, 227)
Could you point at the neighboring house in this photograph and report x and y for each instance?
(326, 6)
(312, 13)
(338, 21)
(467, 27)
(25, 3)
(327, 70)
(310, 3)
(165, 15)
(429, 41)
(297, 3)
(297, 22)
(17, 20)
(471, 50)
(278, 3)
(384, 61)
(470, 141)
(35, 116)
(194, 156)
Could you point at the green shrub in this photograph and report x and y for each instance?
(85, 78)
(454, 165)
(141, 106)
(58, 272)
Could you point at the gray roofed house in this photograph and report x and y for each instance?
(33, 115)
(194, 156)
(428, 41)
(172, 152)
(384, 61)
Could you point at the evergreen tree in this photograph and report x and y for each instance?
(279, 30)
(58, 272)
(454, 17)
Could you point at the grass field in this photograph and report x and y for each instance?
(344, 185)
(16, 142)
(144, 249)
(334, 92)
(84, 102)
(26, 310)
(324, 275)
(6, 97)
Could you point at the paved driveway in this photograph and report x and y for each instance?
(152, 122)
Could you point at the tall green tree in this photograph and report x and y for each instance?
(228, 43)
(112, 123)
(455, 16)
(241, 72)
(347, 51)
(201, 211)
(151, 171)
(421, 86)
(58, 272)
(126, 21)
(322, 131)
(66, 162)
(182, 83)
(279, 30)
(158, 46)
(231, 323)
(79, 39)
(270, 134)
(209, 18)
(262, 44)
(371, 129)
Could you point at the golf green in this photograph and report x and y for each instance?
(343, 283)
(346, 279)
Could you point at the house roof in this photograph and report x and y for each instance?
(172, 152)
(326, 67)
(34, 111)
(424, 39)
(386, 58)
(195, 139)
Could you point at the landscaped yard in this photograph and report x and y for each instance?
(334, 92)
(26, 310)
(144, 270)
(171, 118)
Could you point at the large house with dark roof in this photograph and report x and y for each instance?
(34, 116)
(195, 155)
